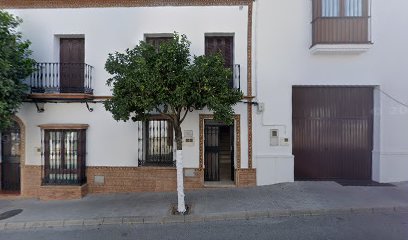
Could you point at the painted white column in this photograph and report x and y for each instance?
(180, 182)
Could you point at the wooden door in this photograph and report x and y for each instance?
(333, 132)
(72, 65)
(10, 165)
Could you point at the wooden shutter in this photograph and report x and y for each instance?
(223, 45)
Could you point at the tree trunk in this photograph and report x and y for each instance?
(181, 207)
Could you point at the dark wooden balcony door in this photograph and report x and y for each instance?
(10, 165)
(223, 45)
(72, 65)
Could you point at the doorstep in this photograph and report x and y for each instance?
(219, 184)
(5, 195)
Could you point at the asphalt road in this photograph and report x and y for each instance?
(352, 226)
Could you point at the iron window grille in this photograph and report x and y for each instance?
(156, 143)
(64, 154)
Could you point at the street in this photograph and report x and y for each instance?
(350, 226)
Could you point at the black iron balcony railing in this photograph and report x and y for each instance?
(62, 78)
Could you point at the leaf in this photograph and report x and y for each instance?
(15, 66)
(145, 79)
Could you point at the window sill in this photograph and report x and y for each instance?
(332, 49)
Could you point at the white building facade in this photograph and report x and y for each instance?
(287, 54)
(286, 64)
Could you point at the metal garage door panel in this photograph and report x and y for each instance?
(332, 132)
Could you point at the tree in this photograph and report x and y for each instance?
(15, 66)
(171, 82)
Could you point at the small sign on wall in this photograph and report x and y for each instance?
(188, 138)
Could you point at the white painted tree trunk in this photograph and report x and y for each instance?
(181, 207)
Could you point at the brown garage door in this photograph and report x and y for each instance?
(332, 132)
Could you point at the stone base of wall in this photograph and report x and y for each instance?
(30, 181)
(139, 179)
(62, 192)
(245, 177)
(122, 180)
(31, 187)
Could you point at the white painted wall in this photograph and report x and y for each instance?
(109, 143)
(283, 59)
(106, 30)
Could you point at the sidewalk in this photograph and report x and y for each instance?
(299, 198)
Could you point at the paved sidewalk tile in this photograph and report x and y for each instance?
(236, 216)
(112, 221)
(155, 220)
(279, 200)
(279, 213)
(193, 218)
(257, 214)
(173, 219)
(15, 225)
(132, 220)
(2, 226)
(59, 223)
(93, 222)
(35, 224)
(73, 222)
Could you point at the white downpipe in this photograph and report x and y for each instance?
(180, 182)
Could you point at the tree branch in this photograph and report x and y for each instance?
(185, 115)
(178, 114)
(164, 114)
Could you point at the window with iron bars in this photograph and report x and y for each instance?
(156, 143)
(64, 154)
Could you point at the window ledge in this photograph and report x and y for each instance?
(63, 126)
(330, 49)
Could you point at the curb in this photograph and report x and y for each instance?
(245, 215)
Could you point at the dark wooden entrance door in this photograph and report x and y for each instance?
(333, 132)
(72, 65)
(10, 165)
(218, 152)
(223, 45)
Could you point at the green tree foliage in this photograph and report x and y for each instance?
(169, 81)
(15, 66)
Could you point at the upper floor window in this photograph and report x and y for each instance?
(353, 8)
(157, 40)
(225, 46)
(337, 8)
(330, 8)
(341, 22)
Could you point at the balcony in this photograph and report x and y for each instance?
(341, 26)
(56, 81)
